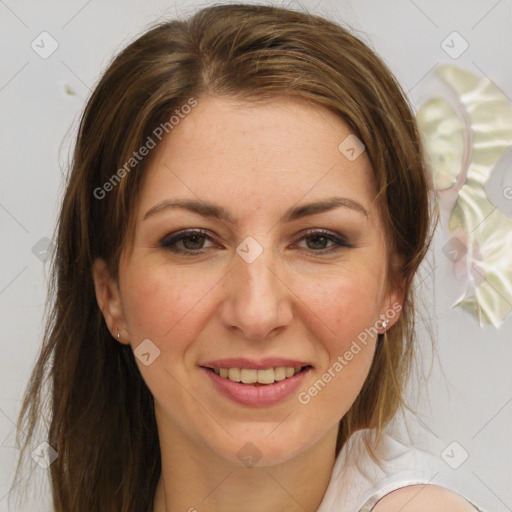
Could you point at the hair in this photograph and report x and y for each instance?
(102, 423)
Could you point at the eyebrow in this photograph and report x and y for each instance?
(206, 209)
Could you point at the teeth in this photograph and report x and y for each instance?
(280, 373)
(249, 376)
(234, 374)
(266, 376)
(252, 376)
(289, 371)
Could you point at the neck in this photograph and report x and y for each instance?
(194, 479)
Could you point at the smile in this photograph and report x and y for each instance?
(252, 376)
(253, 387)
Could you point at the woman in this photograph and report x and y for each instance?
(247, 209)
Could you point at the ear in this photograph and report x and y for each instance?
(109, 301)
(393, 308)
(394, 299)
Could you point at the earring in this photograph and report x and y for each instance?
(384, 324)
(118, 335)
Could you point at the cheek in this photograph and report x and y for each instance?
(164, 306)
(158, 300)
(341, 318)
(344, 304)
(342, 312)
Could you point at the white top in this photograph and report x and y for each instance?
(357, 482)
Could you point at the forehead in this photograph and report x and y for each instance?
(254, 155)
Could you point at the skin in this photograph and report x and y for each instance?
(292, 301)
(423, 498)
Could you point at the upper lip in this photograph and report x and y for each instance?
(262, 364)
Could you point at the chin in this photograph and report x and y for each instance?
(261, 450)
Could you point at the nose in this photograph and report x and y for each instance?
(256, 301)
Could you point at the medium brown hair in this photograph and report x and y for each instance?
(102, 421)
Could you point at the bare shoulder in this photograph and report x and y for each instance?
(423, 498)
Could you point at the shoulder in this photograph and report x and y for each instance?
(423, 498)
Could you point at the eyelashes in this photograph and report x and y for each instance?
(170, 241)
(195, 238)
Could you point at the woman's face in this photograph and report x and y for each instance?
(270, 272)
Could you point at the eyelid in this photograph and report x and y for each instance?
(325, 232)
(339, 240)
(182, 233)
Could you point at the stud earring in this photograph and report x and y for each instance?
(384, 324)
(118, 335)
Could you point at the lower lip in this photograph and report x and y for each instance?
(257, 396)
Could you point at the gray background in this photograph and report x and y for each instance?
(41, 99)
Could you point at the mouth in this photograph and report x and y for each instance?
(258, 377)
(263, 386)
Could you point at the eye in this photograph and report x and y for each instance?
(320, 237)
(192, 241)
